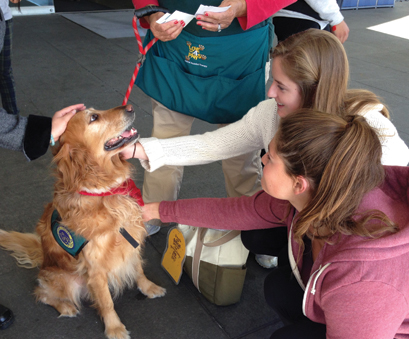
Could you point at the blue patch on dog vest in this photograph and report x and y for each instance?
(69, 241)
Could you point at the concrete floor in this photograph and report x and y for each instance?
(57, 63)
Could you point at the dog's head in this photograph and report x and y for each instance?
(88, 154)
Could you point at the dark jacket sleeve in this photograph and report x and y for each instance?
(29, 135)
(37, 136)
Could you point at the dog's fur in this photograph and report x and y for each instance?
(108, 263)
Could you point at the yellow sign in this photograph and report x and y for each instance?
(174, 255)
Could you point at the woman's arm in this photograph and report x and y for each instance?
(260, 10)
(394, 150)
(12, 129)
(253, 132)
(32, 134)
(328, 10)
(164, 32)
(367, 309)
(242, 213)
(143, 3)
(248, 12)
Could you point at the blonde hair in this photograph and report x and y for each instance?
(341, 159)
(316, 61)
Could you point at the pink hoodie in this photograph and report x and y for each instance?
(358, 287)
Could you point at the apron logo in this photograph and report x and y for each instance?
(194, 52)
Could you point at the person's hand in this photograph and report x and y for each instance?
(167, 31)
(341, 31)
(61, 118)
(211, 20)
(150, 211)
(15, 1)
(134, 151)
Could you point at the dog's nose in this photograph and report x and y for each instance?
(129, 108)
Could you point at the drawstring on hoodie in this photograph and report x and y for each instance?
(317, 274)
(321, 270)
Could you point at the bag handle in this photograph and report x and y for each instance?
(201, 232)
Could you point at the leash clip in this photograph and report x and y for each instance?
(141, 58)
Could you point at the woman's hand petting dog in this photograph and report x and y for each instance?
(61, 118)
(150, 211)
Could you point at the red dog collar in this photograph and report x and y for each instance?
(128, 187)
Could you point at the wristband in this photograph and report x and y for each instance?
(52, 142)
(334, 28)
(134, 149)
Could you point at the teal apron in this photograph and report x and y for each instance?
(216, 79)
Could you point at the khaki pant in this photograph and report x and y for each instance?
(242, 174)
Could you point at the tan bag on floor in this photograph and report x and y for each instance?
(216, 263)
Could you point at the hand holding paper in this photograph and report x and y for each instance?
(223, 15)
(166, 31)
(203, 9)
(209, 17)
(176, 15)
(181, 16)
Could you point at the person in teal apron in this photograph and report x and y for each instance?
(213, 69)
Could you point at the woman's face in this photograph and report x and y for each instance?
(285, 91)
(275, 180)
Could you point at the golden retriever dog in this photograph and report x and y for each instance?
(93, 208)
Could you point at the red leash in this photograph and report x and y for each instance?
(148, 10)
(141, 58)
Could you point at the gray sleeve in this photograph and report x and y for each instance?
(12, 130)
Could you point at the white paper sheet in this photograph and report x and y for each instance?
(179, 16)
(176, 15)
(202, 9)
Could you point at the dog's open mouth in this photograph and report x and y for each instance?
(126, 137)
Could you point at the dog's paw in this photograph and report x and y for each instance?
(67, 310)
(117, 332)
(154, 291)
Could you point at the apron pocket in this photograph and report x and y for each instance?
(166, 82)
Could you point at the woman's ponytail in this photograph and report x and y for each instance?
(341, 159)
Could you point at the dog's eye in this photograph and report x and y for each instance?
(94, 117)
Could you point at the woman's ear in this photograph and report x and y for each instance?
(301, 184)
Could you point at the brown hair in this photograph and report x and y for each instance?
(341, 159)
(316, 61)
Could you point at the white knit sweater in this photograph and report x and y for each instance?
(254, 132)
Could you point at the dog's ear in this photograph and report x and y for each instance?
(73, 166)
(62, 159)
